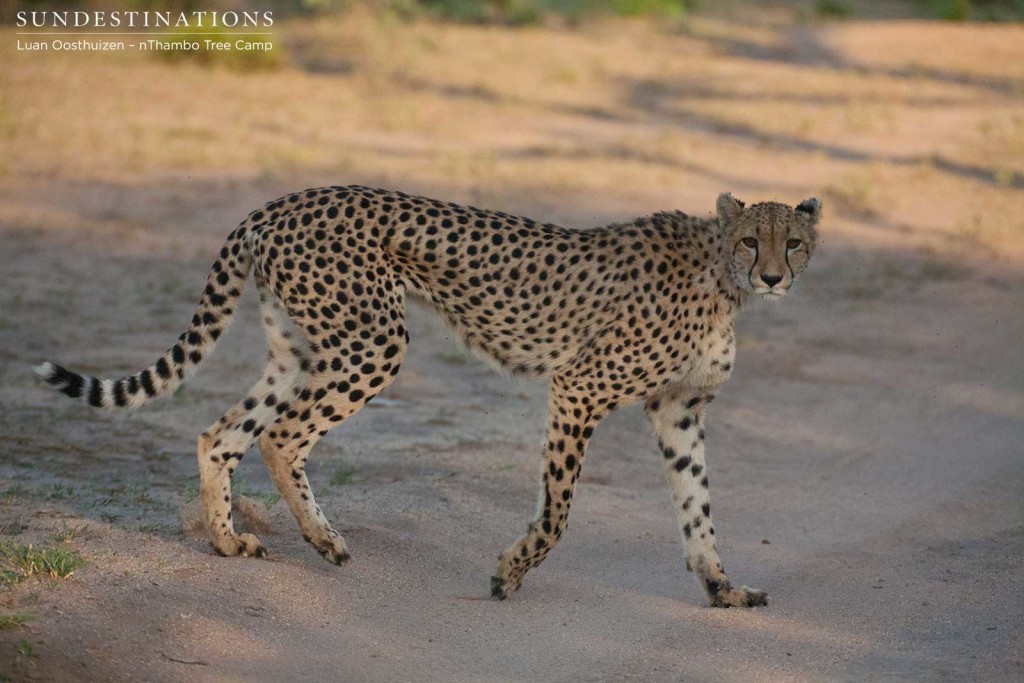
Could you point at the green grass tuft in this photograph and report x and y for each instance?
(343, 475)
(15, 491)
(9, 621)
(976, 10)
(833, 9)
(19, 562)
(25, 649)
(67, 533)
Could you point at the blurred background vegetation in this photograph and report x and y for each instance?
(529, 12)
(906, 116)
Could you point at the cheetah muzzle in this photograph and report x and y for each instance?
(625, 313)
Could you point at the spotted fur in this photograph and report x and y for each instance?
(641, 311)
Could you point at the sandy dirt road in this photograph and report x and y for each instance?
(866, 469)
(866, 459)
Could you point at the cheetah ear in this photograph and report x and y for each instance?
(812, 207)
(729, 208)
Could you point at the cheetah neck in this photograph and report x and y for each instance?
(705, 234)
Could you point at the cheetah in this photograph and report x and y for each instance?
(634, 312)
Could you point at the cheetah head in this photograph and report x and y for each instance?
(768, 244)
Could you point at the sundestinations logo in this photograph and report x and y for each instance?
(124, 30)
(134, 19)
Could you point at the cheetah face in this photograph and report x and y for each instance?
(769, 243)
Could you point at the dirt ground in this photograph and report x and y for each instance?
(865, 459)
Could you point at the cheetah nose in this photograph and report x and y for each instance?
(771, 280)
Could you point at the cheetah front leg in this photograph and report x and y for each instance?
(571, 421)
(678, 420)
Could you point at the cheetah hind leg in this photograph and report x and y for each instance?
(215, 468)
(287, 444)
(222, 446)
(285, 461)
(336, 389)
(284, 450)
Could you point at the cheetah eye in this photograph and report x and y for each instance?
(793, 243)
(749, 242)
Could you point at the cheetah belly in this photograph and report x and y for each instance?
(519, 347)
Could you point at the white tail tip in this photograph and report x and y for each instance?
(44, 370)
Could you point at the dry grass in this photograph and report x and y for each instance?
(616, 108)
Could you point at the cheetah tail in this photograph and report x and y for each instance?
(215, 312)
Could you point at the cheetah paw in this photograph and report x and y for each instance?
(335, 556)
(503, 586)
(332, 548)
(739, 597)
(500, 588)
(239, 545)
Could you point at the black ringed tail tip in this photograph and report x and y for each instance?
(72, 384)
(61, 379)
